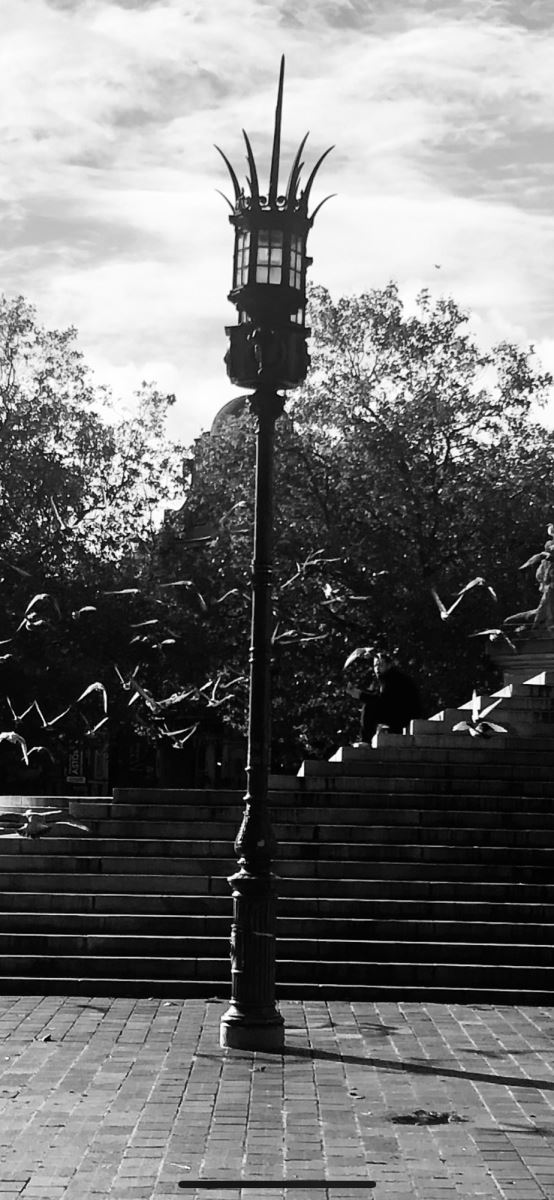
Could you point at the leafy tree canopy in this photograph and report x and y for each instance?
(406, 467)
(82, 489)
(65, 468)
(408, 464)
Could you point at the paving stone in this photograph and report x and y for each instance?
(326, 1108)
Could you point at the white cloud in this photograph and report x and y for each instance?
(441, 115)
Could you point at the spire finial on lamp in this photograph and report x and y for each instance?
(276, 151)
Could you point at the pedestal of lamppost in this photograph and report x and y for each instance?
(252, 1021)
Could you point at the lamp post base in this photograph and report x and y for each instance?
(241, 1030)
(252, 1021)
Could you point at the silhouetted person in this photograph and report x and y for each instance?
(394, 702)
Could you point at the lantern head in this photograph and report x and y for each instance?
(268, 346)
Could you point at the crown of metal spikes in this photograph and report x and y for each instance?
(293, 201)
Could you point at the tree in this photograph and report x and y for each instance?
(82, 490)
(407, 464)
(65, 464)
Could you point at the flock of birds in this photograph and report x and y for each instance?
(43, 606)
(445, 614)
(43, 609)
(477, 724)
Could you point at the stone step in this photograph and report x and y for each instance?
(400, 746)
(420, 863)
(177, 796)
(318, 807)
(219, 990)
(208, 894)
(472, 769)
(409, 827)
(451, 974)
(99, 966)
(208, 956)
(446, 783)
(540, 684)
(540, 707)
(18, 802)
(97, 849)
(427, 834)
(46, 984)
(369, 950)
(431, 735)
(358, 763)
(52, 905)
(447, 717)
(509, 848)
(516, 722)
(30, 910)
(29, 930)
(198, 881)
(388, 749)
(454, 975)
(17, 928)
(457, 911)
(486, 992)
(52, 857)
(301, 823)
(481, 700)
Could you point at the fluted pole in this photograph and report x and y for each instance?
(252, 1021)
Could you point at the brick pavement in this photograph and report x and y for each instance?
(128, 1099)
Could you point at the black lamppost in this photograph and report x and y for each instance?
(268, 353)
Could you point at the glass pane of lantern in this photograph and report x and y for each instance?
(264, 238)
(242, 254)
(274, 274)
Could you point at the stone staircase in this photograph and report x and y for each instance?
(421, 868)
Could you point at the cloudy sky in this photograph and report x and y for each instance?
(442, 115)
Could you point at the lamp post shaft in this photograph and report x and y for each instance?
(267, 406)
(252, 1021)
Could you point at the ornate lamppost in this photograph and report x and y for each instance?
(267, 353)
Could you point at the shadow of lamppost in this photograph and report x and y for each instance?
(267, 353)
